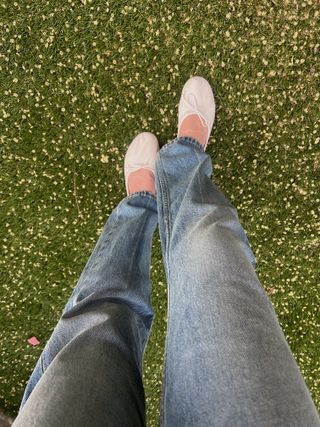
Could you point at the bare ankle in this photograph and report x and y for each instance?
(141, 180)
(192, 127)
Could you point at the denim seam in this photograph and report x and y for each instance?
(165, 211)
(198, 177)
(137, 243)
(167, 225)
(42, 362)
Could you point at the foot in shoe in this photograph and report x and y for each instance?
(141, 180)
(139, 163)
(193, 127)
(196, 110)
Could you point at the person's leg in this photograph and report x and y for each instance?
(227, 362)
(90, 372)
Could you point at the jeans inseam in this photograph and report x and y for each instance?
(166, 217)
(135, 247)
(42, 362)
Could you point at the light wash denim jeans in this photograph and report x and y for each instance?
(227, 363)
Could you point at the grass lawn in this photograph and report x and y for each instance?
(79, 79)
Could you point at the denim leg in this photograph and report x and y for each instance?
(90, 372)
(227, 362)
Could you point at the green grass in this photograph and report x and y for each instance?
(79, 79)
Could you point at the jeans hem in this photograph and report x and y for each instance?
(143, 193)
(186, 140)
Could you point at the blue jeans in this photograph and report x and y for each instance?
(227, 362)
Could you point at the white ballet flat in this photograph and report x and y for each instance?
(141, 153)
(197, 98)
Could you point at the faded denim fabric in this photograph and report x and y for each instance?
(227, 362)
